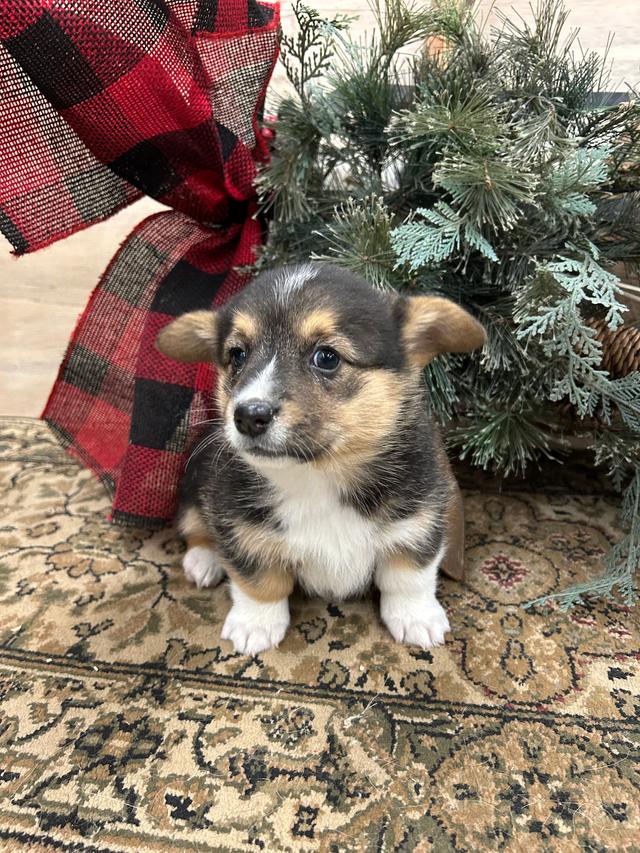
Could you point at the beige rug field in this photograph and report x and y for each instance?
(126, 724)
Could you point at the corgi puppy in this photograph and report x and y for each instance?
(321, 468)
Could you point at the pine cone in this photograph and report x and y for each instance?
(620, 349)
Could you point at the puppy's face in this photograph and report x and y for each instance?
(315, 365)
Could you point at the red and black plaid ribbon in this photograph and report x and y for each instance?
(102, 101)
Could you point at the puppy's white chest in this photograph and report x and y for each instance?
(334, 545)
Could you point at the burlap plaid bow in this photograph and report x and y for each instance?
(102, 101)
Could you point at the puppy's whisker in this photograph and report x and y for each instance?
(206, 422)
(200, 447)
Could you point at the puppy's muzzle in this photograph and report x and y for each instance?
(252, 417)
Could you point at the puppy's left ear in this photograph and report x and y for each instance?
(432, 325)
(191, 337)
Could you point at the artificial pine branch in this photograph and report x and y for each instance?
(307, 54)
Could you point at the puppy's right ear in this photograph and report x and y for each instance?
(191, 337)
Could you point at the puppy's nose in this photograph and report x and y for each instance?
(253, 417)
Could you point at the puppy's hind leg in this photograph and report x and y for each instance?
(200, 562)
(201, 566)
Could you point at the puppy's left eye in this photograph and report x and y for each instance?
(325, 359)
(237, 357)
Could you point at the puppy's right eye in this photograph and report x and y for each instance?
(326, 359)
(237, 357)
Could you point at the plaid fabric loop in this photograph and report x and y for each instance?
(102, 101)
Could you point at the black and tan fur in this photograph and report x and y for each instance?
(349, 483)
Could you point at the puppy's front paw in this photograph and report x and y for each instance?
(415, 623)
(255, 632)
(201, 567)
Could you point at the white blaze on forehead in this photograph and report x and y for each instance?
(289, 280)
(261, 386)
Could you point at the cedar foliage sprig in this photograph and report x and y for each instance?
(492, 173)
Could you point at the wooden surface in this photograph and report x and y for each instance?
(41, 295)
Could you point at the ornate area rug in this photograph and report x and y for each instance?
(127, 725)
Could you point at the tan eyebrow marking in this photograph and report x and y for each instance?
(245, 325)
(318, 324)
